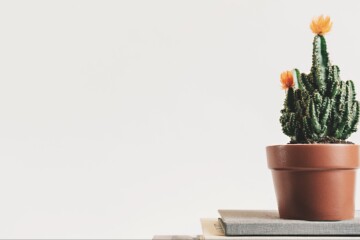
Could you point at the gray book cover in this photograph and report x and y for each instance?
(268, 223)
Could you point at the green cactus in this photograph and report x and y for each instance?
(321, 108)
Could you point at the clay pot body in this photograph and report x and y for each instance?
(314, 181)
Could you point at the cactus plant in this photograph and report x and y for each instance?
(320, 108)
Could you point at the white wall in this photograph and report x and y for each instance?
(125, 119)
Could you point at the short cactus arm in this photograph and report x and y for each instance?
(351, 114)
(314, 119)
(352, 89)
(288, 123)
(334, 89)
(290, 100)
(291, 125)
(334, 73)
(306, 83)
(325, 111)
(352, 122)
(350, 94)
(342, 97)
(297, 76)
(356, 116)
(307, 128)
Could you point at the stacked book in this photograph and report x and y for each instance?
(256, 225)
(266, 225)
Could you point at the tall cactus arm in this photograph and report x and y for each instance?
(324, 52)
(320, 62)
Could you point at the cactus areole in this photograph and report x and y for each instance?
(321, 107)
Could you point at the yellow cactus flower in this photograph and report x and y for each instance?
(287, 80)
(321, 25)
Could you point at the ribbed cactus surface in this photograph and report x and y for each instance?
(322, 108)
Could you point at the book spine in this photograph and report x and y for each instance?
(308, 229)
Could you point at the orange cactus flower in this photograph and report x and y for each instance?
(287, 80)
(321, 25)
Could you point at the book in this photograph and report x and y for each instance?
(212, 230)
(268, 223)
(176, 237)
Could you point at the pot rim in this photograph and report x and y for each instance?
(314, 144)
(313, 156)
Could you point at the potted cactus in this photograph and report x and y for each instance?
(314, 175)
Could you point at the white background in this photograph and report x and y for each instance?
(125, 119)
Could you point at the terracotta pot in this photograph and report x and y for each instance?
(314, 181)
